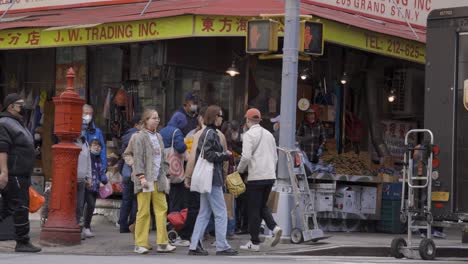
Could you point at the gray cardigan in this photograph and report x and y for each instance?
(143, 157)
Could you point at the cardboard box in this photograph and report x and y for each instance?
(351, 202)
(272, 202)
(323, 202)
(368, 200)
(348, 199)
(229, 200)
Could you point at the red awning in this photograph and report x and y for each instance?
(375, 25)
(158, 9)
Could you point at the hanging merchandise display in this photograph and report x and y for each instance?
(106, 109)
(120, 98)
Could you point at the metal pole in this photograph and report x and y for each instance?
(289, 84)
(288, 117)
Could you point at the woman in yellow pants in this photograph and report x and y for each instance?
(151, 184)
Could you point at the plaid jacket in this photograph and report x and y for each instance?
(316, 132)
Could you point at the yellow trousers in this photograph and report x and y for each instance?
(143, 219)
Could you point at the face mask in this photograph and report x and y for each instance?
(86, 119)
(95, 152)
(22, 111)
(37, 137)
(193, 108)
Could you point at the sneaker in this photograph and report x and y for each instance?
(181, 242)
(83, 235)
(88, 232)
(277, 232)
(227, 252)
(198, 252)
(165, 248)
(26, 247)
(141, 250)
(250, 247)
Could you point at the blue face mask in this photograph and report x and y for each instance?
(95, 153)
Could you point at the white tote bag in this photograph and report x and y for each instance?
(202, 176)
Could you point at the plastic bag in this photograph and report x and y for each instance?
(105, 191)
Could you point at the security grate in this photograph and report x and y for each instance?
(398, 84)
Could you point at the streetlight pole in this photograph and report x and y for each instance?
(288, 110)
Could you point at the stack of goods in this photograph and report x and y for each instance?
(348, 163)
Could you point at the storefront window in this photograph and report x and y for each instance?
(123, 80)
(210, 87)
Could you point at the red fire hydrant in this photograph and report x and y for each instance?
(61, 227)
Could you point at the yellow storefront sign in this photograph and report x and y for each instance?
(200, 26)
(374, 42)
(210, 26)
(154, 29)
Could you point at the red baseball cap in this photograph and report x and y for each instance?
(253, 114)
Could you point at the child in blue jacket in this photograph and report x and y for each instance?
(98, 179)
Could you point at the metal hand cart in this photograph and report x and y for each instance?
(304, 201)
(417, 215)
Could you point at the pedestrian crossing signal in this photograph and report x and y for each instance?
(262, 36)
(311, 38)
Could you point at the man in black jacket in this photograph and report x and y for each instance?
(16, 165)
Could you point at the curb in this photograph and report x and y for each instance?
(442, 252)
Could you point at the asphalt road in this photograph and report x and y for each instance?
(178, 259)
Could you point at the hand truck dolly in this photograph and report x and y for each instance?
(304, 201)
(411, 210)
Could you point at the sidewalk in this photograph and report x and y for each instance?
(109, 241)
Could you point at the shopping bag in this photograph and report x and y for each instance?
(235, 184)
(272, 202)
(105, 191)
(35, 200)
(202, 176)
(229, 200)
(177, 219)
(176, 165)
(176, 162)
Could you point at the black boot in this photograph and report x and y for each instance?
(26, 247)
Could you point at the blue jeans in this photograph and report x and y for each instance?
(128, 207)
(211, 203)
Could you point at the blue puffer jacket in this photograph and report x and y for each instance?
(177, 122)
(127, 170)
(91, 132)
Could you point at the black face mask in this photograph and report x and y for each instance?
(22, 111)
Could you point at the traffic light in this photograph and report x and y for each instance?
(311, 38)
(262, 36)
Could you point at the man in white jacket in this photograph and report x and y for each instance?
(259, 157)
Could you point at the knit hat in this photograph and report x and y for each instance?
(10, 99)
(253, 114)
